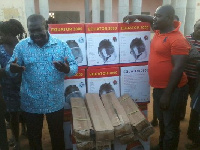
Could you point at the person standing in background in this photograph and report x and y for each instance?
(3, 133)
(193, 76)
(12, 31)
(168, 54)
(154, 121)
(44, 61)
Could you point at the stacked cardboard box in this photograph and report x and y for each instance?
(134, 80)
(110, 46)
(82, 126)
(103, 80)
(117, 114)
(134, 42)
(73, 87)
(104, 131)
(119, 119)
(138, 121)
(74, 35)
(102, 43)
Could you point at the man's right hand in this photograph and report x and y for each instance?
(130, 18)
(15, 68)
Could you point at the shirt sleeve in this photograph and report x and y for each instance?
(180, 47)
(16, 54)
(73, 65)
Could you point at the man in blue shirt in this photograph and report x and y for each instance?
(44, 61)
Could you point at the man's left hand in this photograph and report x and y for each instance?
(62, 67)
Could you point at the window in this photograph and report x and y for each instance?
(66, 16)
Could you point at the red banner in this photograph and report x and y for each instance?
(101, 27)
(135, 26)
(67, 28)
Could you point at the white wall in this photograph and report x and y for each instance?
(197, 14)
(9, 9)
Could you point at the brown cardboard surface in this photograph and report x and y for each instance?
(81, 121)
(117, 114)
(126, 139)
(136, 117)
(86, 145)
(103, 145)
(145, 133)
(104, 130)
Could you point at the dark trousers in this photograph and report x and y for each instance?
(3, 134)
(192, 85)
(194, 127)
(34, 124)
(169, 120)
(194, 123)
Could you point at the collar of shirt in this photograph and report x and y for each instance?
(177, 25)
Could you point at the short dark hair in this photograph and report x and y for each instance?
(169, 10)
(37, 17)
(13, 27)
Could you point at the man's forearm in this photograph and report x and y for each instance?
(174, 80)
(145, 18)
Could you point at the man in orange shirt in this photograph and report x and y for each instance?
(168, 54)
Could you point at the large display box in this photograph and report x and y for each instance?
(102, 43)
(74, 87)
(74, 35)
(103, 80)
(134, 40)
(135, 82)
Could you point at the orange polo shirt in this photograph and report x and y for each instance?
(163, 46)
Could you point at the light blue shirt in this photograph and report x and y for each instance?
(42, 88)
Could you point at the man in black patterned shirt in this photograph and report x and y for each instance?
(192, 74)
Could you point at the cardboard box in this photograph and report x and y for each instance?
(74, 87)
(135, 82)
(82, 125)
(103, 80)
(84, 145)
(74, 35)
(136, 117)
(103, 128)
(103, 145)
(102, 43)
(117, 114)
(129, 138)
(134, 39)
(146, 133)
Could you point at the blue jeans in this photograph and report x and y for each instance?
(169, 120)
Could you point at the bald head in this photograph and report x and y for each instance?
(163, 19)
(168, 10)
